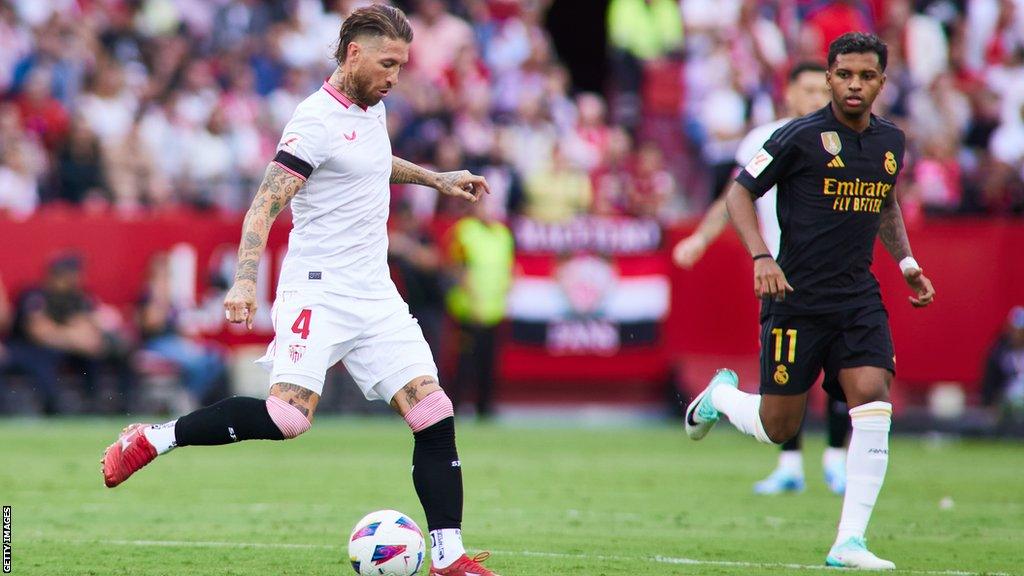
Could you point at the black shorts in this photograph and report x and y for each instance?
(796, 348)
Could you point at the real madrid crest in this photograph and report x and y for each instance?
(831, 142)
(781, 375)
(890, 163)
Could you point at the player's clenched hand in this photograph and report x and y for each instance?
(463, 184)
(921, 285)
(240, 303)
(689, 250)
(769, 280)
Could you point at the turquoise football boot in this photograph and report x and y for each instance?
(701, 415)
(854, 553)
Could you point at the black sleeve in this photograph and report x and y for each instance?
(772, 162)
(294, 164)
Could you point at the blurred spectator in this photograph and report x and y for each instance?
(42, 114)
(936, 176)
(1005, 186)
(132, 173)
(416, 263)
(108, 106)
(481, 255)
(504, 180)
(19, 188)
(1002, 386)
(440, 36)
(559, 192)
(830, 21)
(655, 187)
(80, 176)
(613, 181)
(639, 31)
(165, 333)
(531, 137)
(58, 326)
(473, 126)
(588, 141)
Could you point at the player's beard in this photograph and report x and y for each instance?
(362, 89)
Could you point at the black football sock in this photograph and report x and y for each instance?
(437, 475)
(838, 424)
(230, 420)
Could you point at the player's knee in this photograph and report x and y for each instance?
(433, 408)
(781, 430)
(288, 418)
(865, 392)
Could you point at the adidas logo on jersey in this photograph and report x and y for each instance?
(836, 162)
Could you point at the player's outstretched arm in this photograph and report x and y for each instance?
(461, 183)
(893, 234)
(691, 249)
(769, 280)
(278, 187)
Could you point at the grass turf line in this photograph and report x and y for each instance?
(553, 501)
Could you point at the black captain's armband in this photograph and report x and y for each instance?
(293, 163)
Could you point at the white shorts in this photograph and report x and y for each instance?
(379, 342)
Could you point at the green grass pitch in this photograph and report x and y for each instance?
(546, 500)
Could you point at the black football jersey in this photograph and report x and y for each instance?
(832, 184)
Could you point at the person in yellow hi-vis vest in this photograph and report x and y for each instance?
(481, 252)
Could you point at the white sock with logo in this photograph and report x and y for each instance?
(866, 461)
(161, 436)
(743, 410)
(445, 547)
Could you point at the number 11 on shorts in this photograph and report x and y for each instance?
(777, 332)
(301, 325)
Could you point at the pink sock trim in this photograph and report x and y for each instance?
(289, 420)
(429, 411)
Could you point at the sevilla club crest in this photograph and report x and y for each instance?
(295, 352)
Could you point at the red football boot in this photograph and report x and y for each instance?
(465, 566)
(123, 458)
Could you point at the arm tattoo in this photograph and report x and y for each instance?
(405, 172)
(277, 189)
(893, 233)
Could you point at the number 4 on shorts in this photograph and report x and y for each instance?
(301, 325)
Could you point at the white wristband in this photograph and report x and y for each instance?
(908, 263)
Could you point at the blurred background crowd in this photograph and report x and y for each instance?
(145, 104)
(607, 107)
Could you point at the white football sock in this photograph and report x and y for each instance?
(743, 410)
(792, 461)
(866, 461)
(445, 547)
(161, 436)
(833, 456)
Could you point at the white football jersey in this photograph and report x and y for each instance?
(338, 241)
(767, 215)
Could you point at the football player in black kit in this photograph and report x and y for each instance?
(821, 307)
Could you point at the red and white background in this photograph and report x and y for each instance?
(596, 310)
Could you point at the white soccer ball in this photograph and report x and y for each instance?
(386, 543)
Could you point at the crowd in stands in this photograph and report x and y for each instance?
(144, 104)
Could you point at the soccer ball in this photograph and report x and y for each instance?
(386, 543)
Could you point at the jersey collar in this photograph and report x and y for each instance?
(830, 114)
(341, 98)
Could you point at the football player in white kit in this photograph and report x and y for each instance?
(335, 299)
(806, 92)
